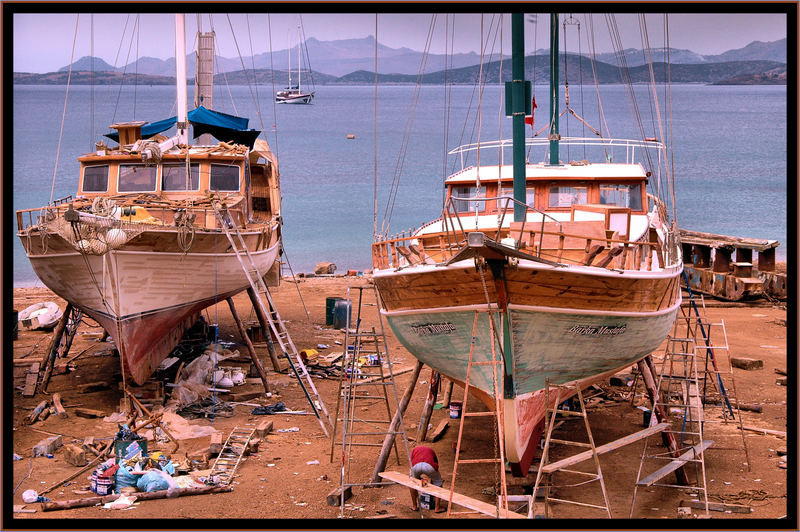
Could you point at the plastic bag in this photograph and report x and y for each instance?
(269, 409)
(156, 480)
(124, 479)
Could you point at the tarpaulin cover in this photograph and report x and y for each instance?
(223, 126)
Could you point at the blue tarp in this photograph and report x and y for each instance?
(223, 126)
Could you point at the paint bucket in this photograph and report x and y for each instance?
(646, 415)
(342, 311)
(425, 501)
(93, 483)
(330, 304)
(455, 409)
(104, 485)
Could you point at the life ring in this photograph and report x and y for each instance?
(40, 316)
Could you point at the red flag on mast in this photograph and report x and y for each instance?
(529, 119)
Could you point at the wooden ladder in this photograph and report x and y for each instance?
(279, 330)
(497, 365)
(231, 455)
(677, 394)
(547, 469)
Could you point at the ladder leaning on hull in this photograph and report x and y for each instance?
(261, 292)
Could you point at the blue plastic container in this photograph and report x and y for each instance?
(342, 312)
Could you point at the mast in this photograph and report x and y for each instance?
(554, 136)
(180, 77)
(298, 59)
(520, 91)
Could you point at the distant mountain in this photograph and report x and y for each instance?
(351, 60)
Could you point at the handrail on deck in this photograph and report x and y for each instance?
(452, 238)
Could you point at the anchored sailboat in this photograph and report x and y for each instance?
(576, 263)
(140, 248)
(295, 93)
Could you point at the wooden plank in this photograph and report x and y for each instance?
(675, 464)
(440, 430)
(57, 405)
(718, 506)
(444, 494)
(602, 449)
(30, 384)
(35, 413)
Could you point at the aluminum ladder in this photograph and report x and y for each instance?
(365, 383)
(230, 456)
(279, 331)
(546, 468)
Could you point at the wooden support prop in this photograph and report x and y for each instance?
(49, 358)
(388, 441)
(35, 413)
(608, 447)
(440, 430)
(154, 419)
(264, 322)
(140, 496)
(427, 409)
(647, 370)
(252, 350)
(676, 464)
(448, 392)
(458, 498)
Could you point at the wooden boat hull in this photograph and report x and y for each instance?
(562, 325)
(146, 299)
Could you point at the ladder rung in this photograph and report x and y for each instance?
(477, 414)
(480, 461)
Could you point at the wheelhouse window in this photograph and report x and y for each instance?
(175, 177)
(622, 196)
(224, 177)
(530, 197)
(567, 195)
(462, 195)
(136, 178)
(95, 178)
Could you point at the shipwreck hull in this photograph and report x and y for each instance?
(146, 299)
(564, 325)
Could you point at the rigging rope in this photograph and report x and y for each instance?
(64, 112)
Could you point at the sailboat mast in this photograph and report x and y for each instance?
(298, 58)
(180, 76)
(554, 136)
(519, 103)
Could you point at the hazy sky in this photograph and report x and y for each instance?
(43, 42)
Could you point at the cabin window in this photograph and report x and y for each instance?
(461, 196)
(95, 178)
(530, 197)
(224, 177)
(622, 196)
(567, 195)
(174, 177)
(136, 178)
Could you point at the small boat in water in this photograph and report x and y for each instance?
(570, 271)
(295, 93)
(43, 315)
(141, 248)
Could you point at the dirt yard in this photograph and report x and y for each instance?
(292, 472)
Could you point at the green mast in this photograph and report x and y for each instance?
(554, 136)
(518, 93)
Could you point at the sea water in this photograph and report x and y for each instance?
(729, 152)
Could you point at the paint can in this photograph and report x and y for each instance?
(104, 485)
(455, 409)
(425, 501)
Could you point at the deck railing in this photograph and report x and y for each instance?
(546, 240)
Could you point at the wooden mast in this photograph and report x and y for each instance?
(554, 136)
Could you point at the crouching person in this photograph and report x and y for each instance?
(425, 463)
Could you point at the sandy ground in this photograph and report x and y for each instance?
(278, 485)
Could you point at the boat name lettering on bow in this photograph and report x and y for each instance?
(433, 329)
(602, 330)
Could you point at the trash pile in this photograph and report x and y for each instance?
(134, 469)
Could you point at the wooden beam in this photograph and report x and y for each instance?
(140, 496)
(675, 464)
(605, 448)
(250, 349)
(444, 494)
(427, 409)
(263, 320)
